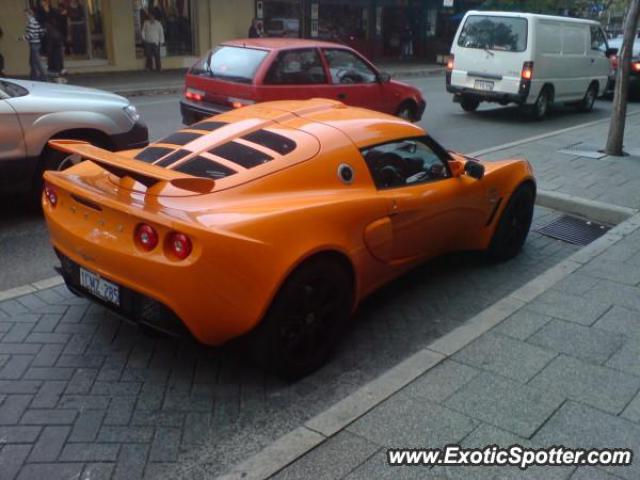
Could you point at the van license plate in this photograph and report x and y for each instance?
(101, 288)
(483, 85)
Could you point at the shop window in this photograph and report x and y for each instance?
(345, 67)
(296, 67)
(176, 17)
(76, 24)
(342, 23)
(282, 18)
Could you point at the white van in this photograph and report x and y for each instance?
(528, 59)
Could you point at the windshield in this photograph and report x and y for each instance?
(12, 90)
(234, 64)
(508, 34)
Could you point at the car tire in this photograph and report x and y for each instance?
(586, 104)
(407, 111)
(50, 160)
(514, 224)
(469, 104)
(540, 109)
(305, 320)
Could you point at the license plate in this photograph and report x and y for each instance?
(483, 85)
(101, 288)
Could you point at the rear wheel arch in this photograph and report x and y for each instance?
(330, 255)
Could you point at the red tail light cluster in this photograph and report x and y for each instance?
(193, 94)
(527, 71)
(50, 194)
(177, 245)
(635, 66)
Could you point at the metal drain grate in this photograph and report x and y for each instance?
(574, 230)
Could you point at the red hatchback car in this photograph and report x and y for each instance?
(247, 71)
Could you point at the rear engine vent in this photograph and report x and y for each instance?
(174, 157)
(202, 167)
(272, 141)
(207, 125)
(180, 138)
(151, 154)
(241, 154)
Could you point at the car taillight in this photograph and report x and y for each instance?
(146, 237)
(450, 63)
(179, 245)
(527, 71)
(193, 94)
(239, 102)
(635, 66)
(50, 194)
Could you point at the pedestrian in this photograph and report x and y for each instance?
(254, 31)
(55, 25)
(153, 38)
(407, 42)
(34, 34)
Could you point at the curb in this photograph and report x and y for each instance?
(590, 209)
(31, 288)
(148, 92)
(292, 446)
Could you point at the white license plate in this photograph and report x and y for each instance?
(101, 288)
(483, 85)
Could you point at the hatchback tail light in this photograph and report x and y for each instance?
(146, 237)
(239, 102)
(51, 194)
(194, 94)
(635, 66)
(179, 245)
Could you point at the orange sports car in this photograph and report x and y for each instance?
(274, 221)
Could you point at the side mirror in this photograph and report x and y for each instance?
(611, 52)
(384, 77)
(474, 169)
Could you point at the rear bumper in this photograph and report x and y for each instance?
(137, 137)
(486, 96)
(193, 112)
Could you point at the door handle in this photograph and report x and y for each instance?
(342, 96)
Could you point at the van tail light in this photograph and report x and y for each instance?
(179, 245)
(51, 194)
(635, 66)
(449, 69)
(450, 63)
(527, 71)
(525, 79)
(193, 94)
(146, 237)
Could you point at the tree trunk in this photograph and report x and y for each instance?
(621, 93)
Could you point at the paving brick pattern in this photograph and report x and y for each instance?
(86, 395)
(562, 370)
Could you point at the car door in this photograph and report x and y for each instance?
(356, 83)
(428, 207)
(11, 138)
(296, 74)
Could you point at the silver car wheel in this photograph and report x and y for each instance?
(68, 161)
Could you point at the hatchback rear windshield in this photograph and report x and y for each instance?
(508, 34)
(234, 64)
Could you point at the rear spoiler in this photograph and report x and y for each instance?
(120, 166)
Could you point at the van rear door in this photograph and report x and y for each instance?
(489, 52)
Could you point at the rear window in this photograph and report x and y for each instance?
(241, 154)
(203, 167)
(507, 34)
(233, 64)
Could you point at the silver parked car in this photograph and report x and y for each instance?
(32, 113)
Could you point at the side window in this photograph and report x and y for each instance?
(404, 163)
(598, 40)
(345, 67)
(296, 67)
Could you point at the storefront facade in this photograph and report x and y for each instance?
(377, 28)
(105, 35)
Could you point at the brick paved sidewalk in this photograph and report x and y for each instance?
(556, 362)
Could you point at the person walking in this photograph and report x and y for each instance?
(254, 31)
(34, 34)
(55, 25)
(152, 37)
(407, 42)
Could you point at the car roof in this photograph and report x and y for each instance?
(532, 16)
(258, 131)
(280, 43)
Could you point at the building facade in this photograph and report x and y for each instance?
(105, 35)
